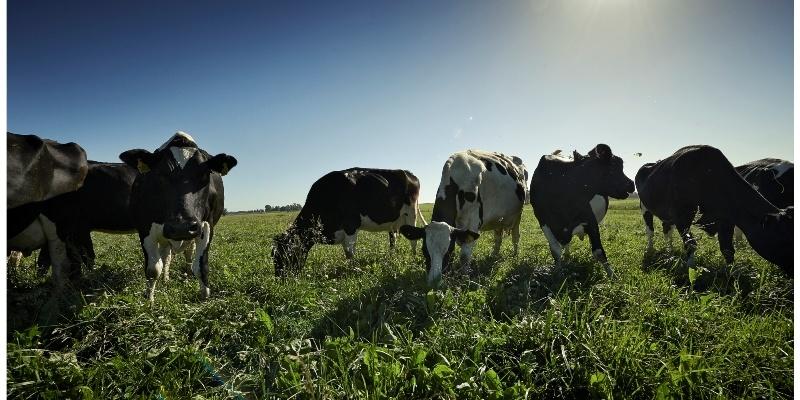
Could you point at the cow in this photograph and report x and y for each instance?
(564, 197)
(177, 198)
(341, 203)
(700, 177)
(479, 191)
(101, 204)
(38, 170)
(773, 178)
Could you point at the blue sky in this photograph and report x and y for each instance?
(295, 89)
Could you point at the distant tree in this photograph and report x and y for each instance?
(267, 208)
(224, 211)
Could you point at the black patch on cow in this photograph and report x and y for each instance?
(486, 162)
(444, 209)
(480, 209)
(501, 169)
(469, 196)
(520, 192)
(461, 200)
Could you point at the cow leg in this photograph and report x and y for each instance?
(349, 245)
(166, 260)
(515, 236)
(153, 263)
(556, 250)
(58, 252)
(565, 252)
(666, 227)
(593, 230)
(188, 252)
(648, 226)
(14, 259)
(86, 249)
(725, 237)
(498, 241)
(684, 222)
(392, 240)
(200, 263)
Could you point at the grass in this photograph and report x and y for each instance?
(515, 328)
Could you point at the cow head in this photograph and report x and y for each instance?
(775, 239)
(608, 178)
(438, 241)
(175, 183)
(289, 251)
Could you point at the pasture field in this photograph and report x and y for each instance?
(513, 328)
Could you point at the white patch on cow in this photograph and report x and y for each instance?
(781, 168)
(555, 245)
(42, 232)
(31, 238)
(437, 241)
(407, 216)
(201, 244)
(182, 155)
(177, 134)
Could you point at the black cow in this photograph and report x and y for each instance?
(177, 197)
(340, 204)
(38, 170)
(700, 177)
(562, 192)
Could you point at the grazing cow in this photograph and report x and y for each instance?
(773, 178)
(569, 197)
(177, 198)
(700, 177)
(340, 204)
(38, 170)
(101, 204)
(479, 191)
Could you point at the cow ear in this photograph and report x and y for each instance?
(221, 163)
(138, 158)
(412, 232)
(601, 151)
(465, 236)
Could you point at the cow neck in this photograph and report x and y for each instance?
(751, 205)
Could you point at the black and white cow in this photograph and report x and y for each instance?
(38, 170)
(177, 198)
(340, 204)
(101, 204)
(569, 197)
(701, 178)
(479, 191)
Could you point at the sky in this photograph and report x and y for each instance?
(295, 89)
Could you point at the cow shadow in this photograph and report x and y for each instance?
(706, 275)
(398, 299)
(529, 286)
(33, 300)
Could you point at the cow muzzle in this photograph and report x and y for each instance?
(182, 230)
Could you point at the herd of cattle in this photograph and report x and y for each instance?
(173, 197)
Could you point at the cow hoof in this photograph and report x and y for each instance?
(205, 293)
